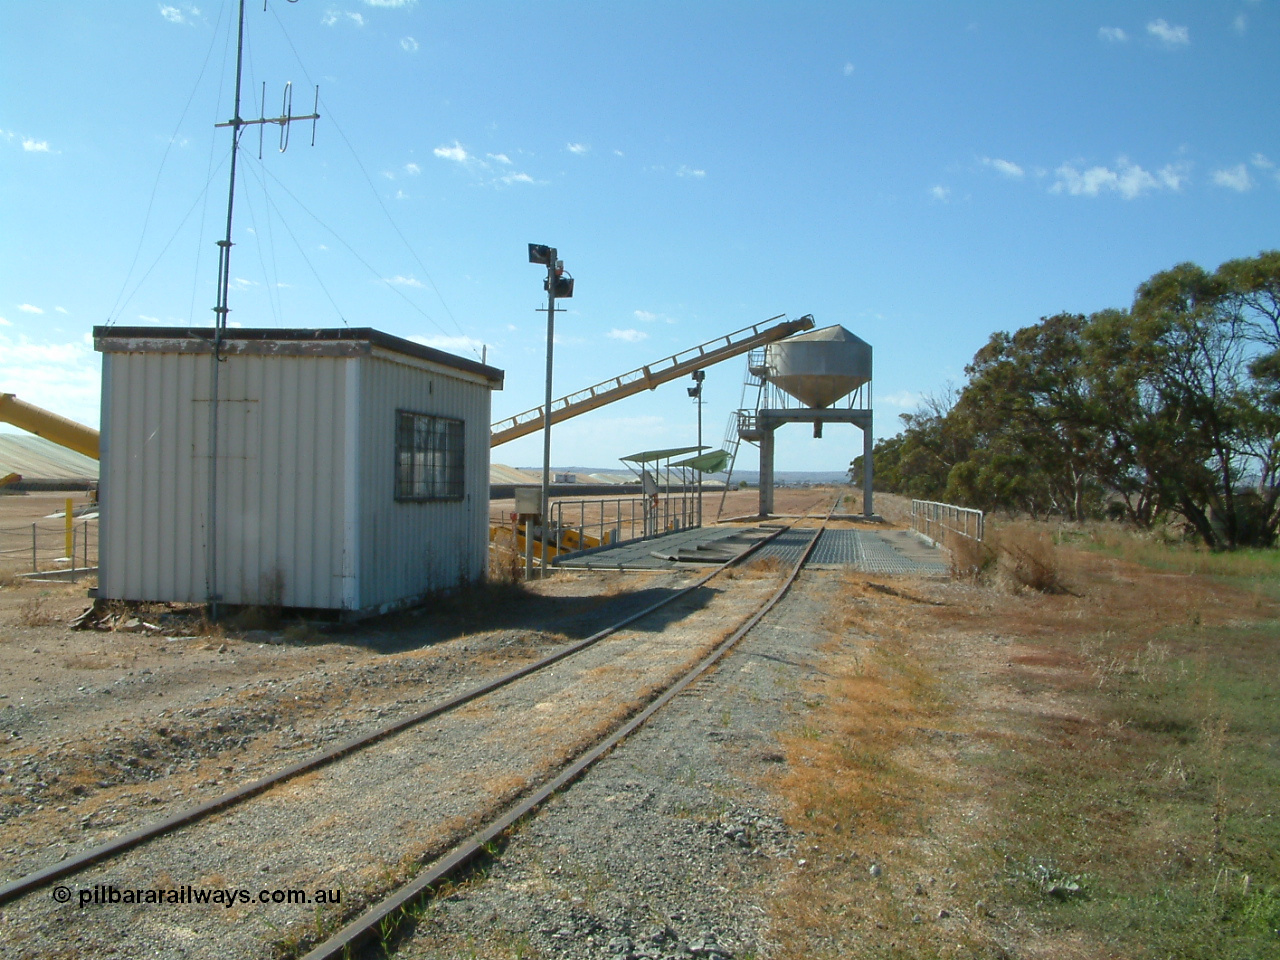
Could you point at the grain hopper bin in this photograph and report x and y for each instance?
(819, 367)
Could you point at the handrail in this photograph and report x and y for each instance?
(648, 377)
(930, 517)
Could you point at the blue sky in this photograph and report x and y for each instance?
(922, 173)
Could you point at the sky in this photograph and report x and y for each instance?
(922, 173)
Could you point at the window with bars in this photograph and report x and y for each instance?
(429, 457)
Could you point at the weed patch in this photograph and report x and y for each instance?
(1086, 774)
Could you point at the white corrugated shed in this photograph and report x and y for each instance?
(314, 508)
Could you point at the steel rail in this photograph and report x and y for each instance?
(343, 943)
(105, 851)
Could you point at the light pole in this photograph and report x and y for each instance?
(696, 392)
(557, 285)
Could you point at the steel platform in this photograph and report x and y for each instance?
(891, 552)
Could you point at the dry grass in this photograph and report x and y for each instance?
(1027, 557)
(506, 565)
(1040, 774)
(759, 567)
(1016, 556)
(33, 612)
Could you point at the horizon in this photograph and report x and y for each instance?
(922, 180)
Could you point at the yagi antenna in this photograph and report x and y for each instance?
(286, 117)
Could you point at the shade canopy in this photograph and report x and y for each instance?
(652, 456)
(713, 462)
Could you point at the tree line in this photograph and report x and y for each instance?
(1166, 410)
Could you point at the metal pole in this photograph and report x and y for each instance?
(867, 446)
(220, 325)
(34, 568)
(699, 452)
(546, 409)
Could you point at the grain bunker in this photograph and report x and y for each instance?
(341, 469)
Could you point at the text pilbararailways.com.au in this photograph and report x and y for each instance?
(110, 894)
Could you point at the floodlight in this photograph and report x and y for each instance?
(539, 253)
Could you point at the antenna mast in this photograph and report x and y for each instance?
(237, 125)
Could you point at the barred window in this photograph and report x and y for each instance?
(429, 457)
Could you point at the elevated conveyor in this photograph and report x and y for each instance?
(648, 377)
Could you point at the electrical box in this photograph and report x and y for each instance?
(528, 500)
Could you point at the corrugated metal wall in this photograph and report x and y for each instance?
(280, 503)
(408, 549)
(307, 514)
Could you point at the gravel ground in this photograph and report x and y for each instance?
(362, 819)
(670, 846)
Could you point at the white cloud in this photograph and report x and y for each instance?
(146, 319)
(412, 169)
(903, 400)
(240, 283)
(408, 44)
(390, 3)
(29, 308)
(940, 193)
(5, 323)
(400, 281)
(646, 316)
(848, 69)
(401, 195)
(172, 14)
(1112, 34)
(1169, 35)
(618, 153)
(690, 172)
(578, 148)
(500, 158)
(1261, 162)
(449, 344)
(629, 335)
(1173, 177)
(1234, 178)
(517, 178)
(456, 153)
(1127, 179)
(1006, 167)
(1240, 23)
(65, 377)
(333, 16)
(35, 146)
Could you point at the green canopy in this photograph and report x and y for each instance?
(650, 456)
(707, 462)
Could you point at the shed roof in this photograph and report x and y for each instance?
(281, 341)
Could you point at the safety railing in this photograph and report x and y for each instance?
(583, 524)
(50, 544)
(934, 519)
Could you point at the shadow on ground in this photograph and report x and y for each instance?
(510, 607)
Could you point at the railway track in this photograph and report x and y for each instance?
(457, 857)
(377, 920)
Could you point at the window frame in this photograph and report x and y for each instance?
(430, 458)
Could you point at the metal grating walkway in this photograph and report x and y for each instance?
(885, 552)
(891, 552)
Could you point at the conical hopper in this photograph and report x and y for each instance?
(819, 367)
